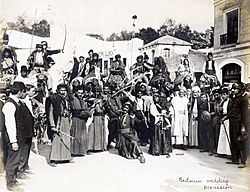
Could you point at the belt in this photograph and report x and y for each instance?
(126, 130)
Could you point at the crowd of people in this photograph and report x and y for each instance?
(92, 113)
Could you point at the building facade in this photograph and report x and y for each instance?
(232, 40)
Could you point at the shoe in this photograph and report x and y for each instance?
(232, 162)
(143, 144)
(22, 176)
(52, 164)
(242, 166)
(28, 172)
(142, 159)
(19, 183)
(14, 187)
(71, 161)
(203, 151)
(168, 155)
(210, 154)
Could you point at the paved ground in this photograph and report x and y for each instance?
(185, 171)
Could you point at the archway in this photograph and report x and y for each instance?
(236, 70)
(231, 73)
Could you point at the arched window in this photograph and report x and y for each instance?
(231, 73)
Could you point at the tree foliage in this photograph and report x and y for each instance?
(169, 27)
(147, 34)
(40, 28)
(122, 36)
(96, 36)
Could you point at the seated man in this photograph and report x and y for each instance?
(128, 144)
(38, 65)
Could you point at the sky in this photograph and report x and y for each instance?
(107, 16)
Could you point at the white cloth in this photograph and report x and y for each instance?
(9, 110)
(224, 136)
(140, 104)
(81, 68)
(39, 58)
(26, 80)
(180, 118)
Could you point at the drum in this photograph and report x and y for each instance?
(205, 116)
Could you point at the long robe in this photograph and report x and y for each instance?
(128, 143)
(224, 137)
(161, 143)
(193, 124)
(96, 130)
(180, 119)
(80, 113)
(60, 146)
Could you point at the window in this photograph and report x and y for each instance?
(166, 52)
(232, 26)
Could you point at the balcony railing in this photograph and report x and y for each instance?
(226, 39)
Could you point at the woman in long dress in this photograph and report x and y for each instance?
(80, 114)
(224, 137)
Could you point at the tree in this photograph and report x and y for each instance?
(168, 27)
(113, 37)
(147, 34)
(96, 36)
(40, 28)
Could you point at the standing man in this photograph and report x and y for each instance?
(2, 125)
(19, 123)
(205, 129)
(59, 120)
(216, 116)
(237, 115)
(114, 111)
(209, 65)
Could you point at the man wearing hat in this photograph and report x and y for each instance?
(19, 126)
(48, 60)
(23, 77)
(117, 71)
(38, 64)
(237, 115)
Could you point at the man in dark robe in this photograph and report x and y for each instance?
(205, 129)
(58, 111)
